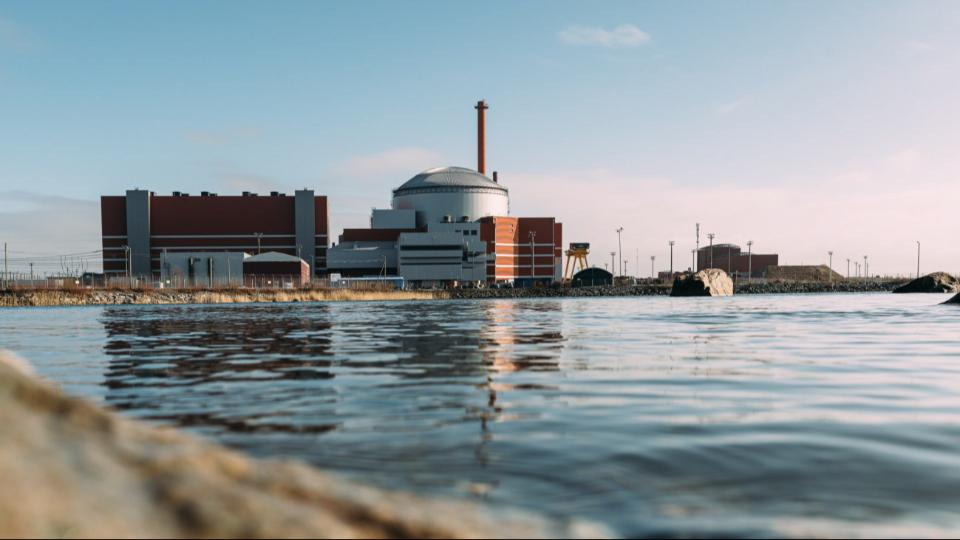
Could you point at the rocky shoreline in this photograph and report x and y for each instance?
(659, 289)
(73, 469)
(94, 297)
(85, 297)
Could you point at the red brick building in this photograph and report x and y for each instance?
(522, 248)
(138, 227)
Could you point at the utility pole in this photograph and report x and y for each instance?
(866, 267)
(626, 266)
(652, 274)
(848, 268)
(259, 235)
(694, 267)
(613, 267)
(918, 256)
(31, 274)
(6, 274)
(620, 249)
(830, 253)
(671, 258)
(693, 260)
(749, 260)
(710, 236)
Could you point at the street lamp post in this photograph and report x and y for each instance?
(694, 267)
(693, 260)
(830, 253)
(652, 258)
(866, 267)
(848, 268)
(671, 257)
(710, 236)
(620, 249)
(613, 267)
(259, 235)
(918, 259)
(749, 260)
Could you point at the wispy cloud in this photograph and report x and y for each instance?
(401, 161)
(730, 107)
(236, 183)
(206, 137)
(14, 36)
(625, 35)
(918, 46)
(47, 225)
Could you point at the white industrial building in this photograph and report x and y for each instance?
(451, 226)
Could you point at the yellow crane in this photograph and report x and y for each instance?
(576, 256)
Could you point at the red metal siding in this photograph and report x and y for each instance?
(221, 215)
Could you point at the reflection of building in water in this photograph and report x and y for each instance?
(238, 371)
(190, 365)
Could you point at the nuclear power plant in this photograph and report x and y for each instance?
(452, 225)
(447, 226)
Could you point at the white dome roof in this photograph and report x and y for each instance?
(445, 178)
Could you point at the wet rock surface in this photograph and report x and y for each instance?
(937, 282)
(708, 282)
(72, 469)
(955, 300)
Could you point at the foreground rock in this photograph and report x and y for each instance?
(709, 282)
(954, 300)
(937, 282)
(70, 469)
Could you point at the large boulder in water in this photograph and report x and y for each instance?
(709, 282)
(937, 282)
(69, 468)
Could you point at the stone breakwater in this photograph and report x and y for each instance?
(658, 289)
(88, 297)
(73, 469)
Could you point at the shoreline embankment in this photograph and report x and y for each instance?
(72, 468)
(96, 297)
(93, 297)
(661, 289)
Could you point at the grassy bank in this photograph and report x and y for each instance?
(92, 297)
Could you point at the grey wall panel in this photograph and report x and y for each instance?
(138, 231)
(305, 217)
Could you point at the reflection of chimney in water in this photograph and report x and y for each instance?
(481, 108)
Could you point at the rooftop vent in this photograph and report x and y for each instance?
(274, 193)
(448, 218)
(176, 193)
(464, 219)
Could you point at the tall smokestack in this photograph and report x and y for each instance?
(481, 137)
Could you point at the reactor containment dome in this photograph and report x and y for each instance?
(449, 194)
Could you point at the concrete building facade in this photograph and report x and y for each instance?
(141, 228)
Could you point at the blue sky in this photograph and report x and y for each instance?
(804, 126)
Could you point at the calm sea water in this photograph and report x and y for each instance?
(746, 416)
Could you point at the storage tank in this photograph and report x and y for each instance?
(451, 191)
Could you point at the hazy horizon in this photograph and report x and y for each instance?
(803, 126)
